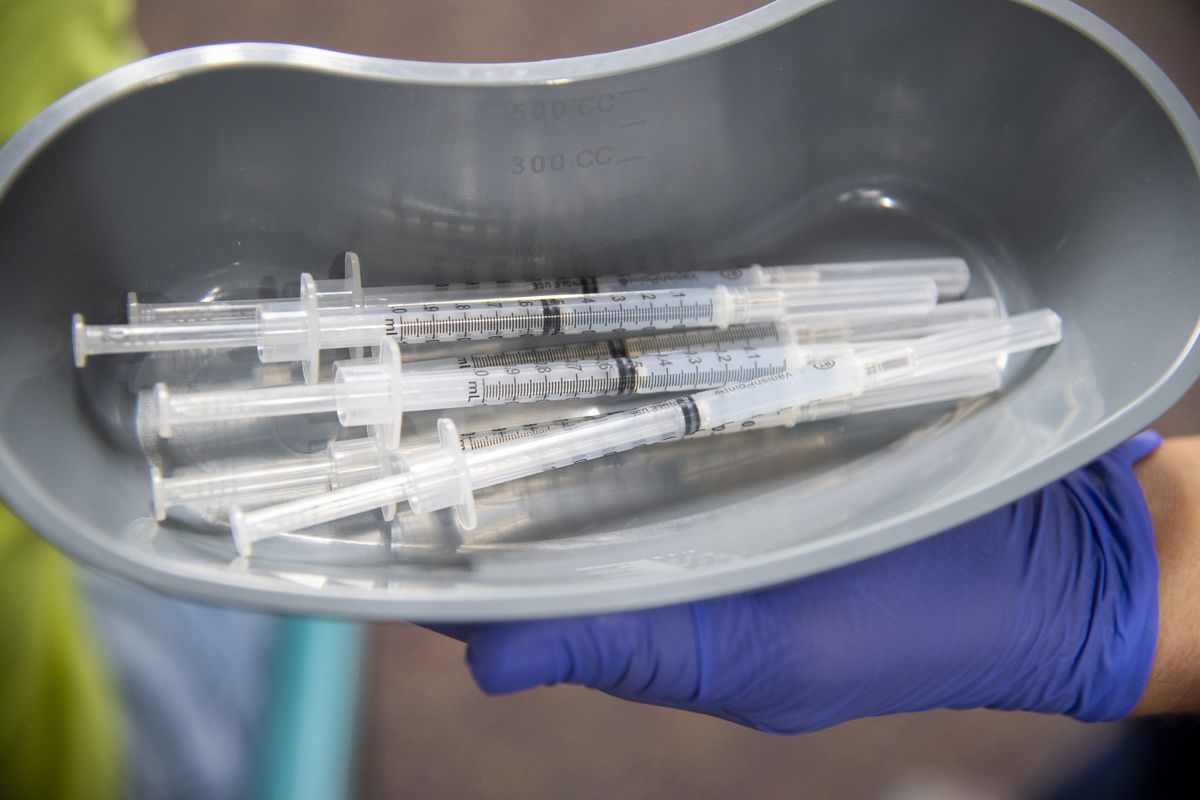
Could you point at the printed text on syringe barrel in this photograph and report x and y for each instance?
(660, 372)
(601, 313)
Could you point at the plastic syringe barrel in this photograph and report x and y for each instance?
(857, 296)
(763, 334)
(448, 385)
(283, 328)
(972, 380)
(951, 275)
(890, 323)
(976, 341)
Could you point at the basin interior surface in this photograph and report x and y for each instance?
(1033, 141)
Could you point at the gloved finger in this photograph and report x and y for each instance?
(622, 653)
(510, 657)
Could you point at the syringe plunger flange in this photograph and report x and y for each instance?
(441, 479)
(370, 392)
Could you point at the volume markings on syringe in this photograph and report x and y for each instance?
(620, 376)
(552, 317)
(761, 335)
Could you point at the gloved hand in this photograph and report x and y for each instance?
(1049, 604)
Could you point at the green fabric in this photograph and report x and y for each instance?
(59, 718)
(48, 47)
(59, 723)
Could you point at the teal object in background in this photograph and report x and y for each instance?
(310, 733)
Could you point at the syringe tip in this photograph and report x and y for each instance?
(146, 423)
(162, 407)
(133, 308)
(243, 540)
(79, 340)
(158, 494)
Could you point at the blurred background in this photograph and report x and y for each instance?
(425, 730)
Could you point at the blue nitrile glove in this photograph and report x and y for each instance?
(1049, 604)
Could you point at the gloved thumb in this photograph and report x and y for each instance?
(1140, 446)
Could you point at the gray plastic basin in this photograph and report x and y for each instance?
(1030, 138)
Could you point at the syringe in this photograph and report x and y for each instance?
(350, 461)
(299, 330)
(865, 326)
(448, 477)
(373, 391)
(951, 275)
